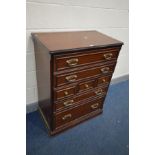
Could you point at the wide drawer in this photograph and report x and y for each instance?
(76, 100)
(85, 58)
(75, 113)
(83, 74)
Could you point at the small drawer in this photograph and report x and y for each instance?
(77, 112)
(85, 86)
(104, 80)
(74, 101)
(59, 94)
(86, 57)
(83, 74)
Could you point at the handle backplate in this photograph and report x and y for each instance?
(67, 116)
(68, 103)
(71, 78)
(105, 70)
(99, 92)
(94, 106)
(108, 56)
(72, 62)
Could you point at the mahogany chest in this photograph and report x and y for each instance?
(74, 70)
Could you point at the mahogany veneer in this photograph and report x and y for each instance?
(74, 70)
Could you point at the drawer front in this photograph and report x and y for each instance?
(104, 80)
(70, 115)
(83, 74)
(95, 56)
(68, 103)
(59, 94)
(86, 85)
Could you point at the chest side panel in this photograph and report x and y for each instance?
(44, 81)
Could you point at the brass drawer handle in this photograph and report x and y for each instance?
(66, 93)
(94, 106)
(103, 80)
(68, 103)
(99, 92)
(71, 78)
(105, 70)
(86, 85)
(66, 116)
(72, 62)
(108, 56)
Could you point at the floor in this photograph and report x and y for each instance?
(106, 134)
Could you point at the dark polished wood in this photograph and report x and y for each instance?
(103, 80)
(68, 61)
(74, 70)
(57, 42)
(43, 81)
(83, 74)
(76, 99)
(77, 112)
(84, 86)
(63, 93)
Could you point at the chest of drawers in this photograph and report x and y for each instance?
(73, 70)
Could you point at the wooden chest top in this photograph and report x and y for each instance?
(57, 42)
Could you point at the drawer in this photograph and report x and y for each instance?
(85, 58)
(59, 94)
(74, 101)
(77, 112)
(86, 85)
(83, 74)
(104, 80)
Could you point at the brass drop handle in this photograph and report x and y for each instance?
(71, 78)
(94, 106)
(66, 93)
(99, 92)
(68, 103)
(72, 62)
(105, 70)
(66, 116)
(108, 56)
(86, 85)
